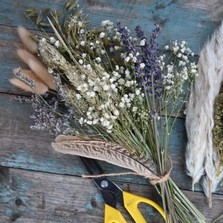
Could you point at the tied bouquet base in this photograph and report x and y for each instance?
(109, 95)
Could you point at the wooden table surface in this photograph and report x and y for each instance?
(40, 185)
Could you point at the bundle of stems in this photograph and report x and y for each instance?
(113, 87)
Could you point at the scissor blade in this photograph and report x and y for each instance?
(92, 166)
(111, 193)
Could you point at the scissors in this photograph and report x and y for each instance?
(113, 195)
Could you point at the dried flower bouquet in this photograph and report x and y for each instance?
(109, 95)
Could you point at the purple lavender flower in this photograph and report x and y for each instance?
(47, 115)
(147, 67)
(150, 74)
(126, 39)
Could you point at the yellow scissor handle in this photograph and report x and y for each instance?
(131, 202)
(113, 215)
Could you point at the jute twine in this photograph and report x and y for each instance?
(154, 181)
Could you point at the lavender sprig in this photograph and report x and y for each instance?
(126, 38)
(147, 66)
(47, 116)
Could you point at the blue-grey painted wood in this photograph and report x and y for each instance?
(180, 20)
(22, 148)
(183, 20)
(35, 197)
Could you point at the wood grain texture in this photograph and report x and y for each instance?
(28, 196)
(49, 189)
(30, 149)
(191, 20)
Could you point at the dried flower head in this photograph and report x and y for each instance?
(27, 40)
(37, 67)
(27, 81)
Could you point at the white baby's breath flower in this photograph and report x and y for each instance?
(50, 70)
(80, 24)
(129, 83)
(83, 76)
(103, 52)
(130, 55)
(95, 121)
(88, 66)
(81, 61)
(134, 59)
(106, 115)
(57, 44)
(98, 59)
(105, 22)
(137, 92)
(116, 74)
(78, 96)
(116, 112)
(185, 58)
(121, 81)
(91, 94)
(127, 72)
(134, 109)
(182, 50)
(142, 42)
(102, 35)
(182, 63)
(43, 40)
(52, 40)
(142, 65)
(82, 43)
(81, 120)
(127, 59)
(89, 122)
(106, 87)
(167, 47)
(121, 105)
(113, 86)
(82, 31)
(179, 55)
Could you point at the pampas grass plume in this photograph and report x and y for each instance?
(201, 156)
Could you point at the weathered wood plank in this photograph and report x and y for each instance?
(183, 20)
(9, 43)
(198, 19)
(23, 148)
(27, 196)
(29, 149)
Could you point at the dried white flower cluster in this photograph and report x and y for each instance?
(180, 69)
(102, 99)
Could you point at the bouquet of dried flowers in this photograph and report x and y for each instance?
(110, 95)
